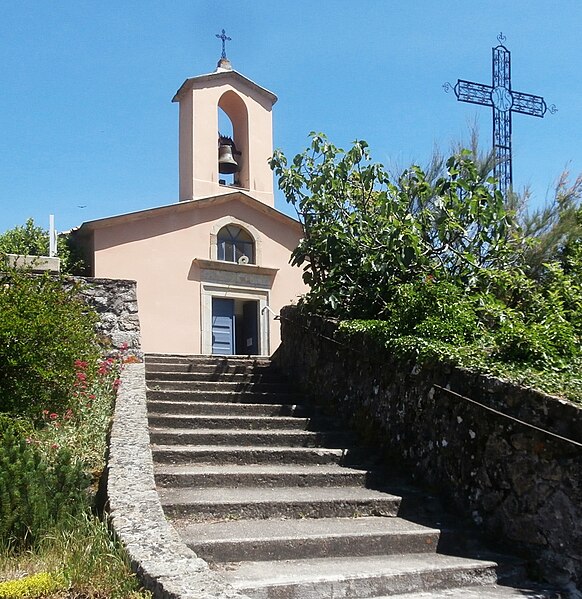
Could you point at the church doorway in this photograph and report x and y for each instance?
(235, 326)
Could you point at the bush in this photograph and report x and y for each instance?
(44, 328)
(84, 425)
(33, 586)
(438, 310)
(35, 495)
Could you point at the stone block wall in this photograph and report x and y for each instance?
(115, 301)
(518, 484)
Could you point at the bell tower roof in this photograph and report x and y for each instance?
(223, 76)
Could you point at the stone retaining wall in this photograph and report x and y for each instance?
(115, 301)
(163, 563)
(518, 484)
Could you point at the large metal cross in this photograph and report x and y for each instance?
(224, 39)
(504, 101)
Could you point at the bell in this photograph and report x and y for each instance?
(227, 165)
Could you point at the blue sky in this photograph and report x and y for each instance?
(86, 117)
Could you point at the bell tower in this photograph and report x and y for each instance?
(206, 155)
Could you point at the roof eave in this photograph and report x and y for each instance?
(88, 226)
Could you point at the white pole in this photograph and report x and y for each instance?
(52, 237)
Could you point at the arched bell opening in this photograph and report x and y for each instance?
(233, 141)
(228, 167)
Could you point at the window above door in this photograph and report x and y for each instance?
(234, 244)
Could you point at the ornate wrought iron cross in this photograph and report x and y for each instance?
(224, 39)
(504, 101)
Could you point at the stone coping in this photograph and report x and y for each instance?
(164, 564)
(35, 263)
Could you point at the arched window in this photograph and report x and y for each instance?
(235, 245)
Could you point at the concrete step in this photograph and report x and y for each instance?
(207, 370)
(246, 437)
(483, 592)
(227, 421)
(264, 540)
(160, 406)
(240, 454)
(222, 386)
(357, 577)
(329, 475)
(288, 398)
(250, 376)
(277, 502)
(217, 362)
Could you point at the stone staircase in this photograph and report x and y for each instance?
(286, 506)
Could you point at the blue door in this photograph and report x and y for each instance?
(223, 333)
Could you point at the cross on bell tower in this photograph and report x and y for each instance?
(224, 39)
(504, 101)
(223, 62)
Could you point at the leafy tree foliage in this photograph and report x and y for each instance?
(366, 233)
(26, 240)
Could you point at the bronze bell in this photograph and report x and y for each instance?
(227, 165)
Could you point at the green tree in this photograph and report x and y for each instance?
(28, 239)
(549, 230)
(545, 230)
(367, 232)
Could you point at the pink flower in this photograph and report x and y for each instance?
(55, 446)
(116, 384)
(80, 364)
(53, 416)
(45, 412)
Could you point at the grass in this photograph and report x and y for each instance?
(79, 558)
(91, 564)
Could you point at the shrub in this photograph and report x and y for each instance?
(439, 310)
(33, 586)
(36, 495)
(84, 425)
(44, 328)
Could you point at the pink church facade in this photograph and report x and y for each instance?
(213, 269)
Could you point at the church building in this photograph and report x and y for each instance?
(212, 270)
